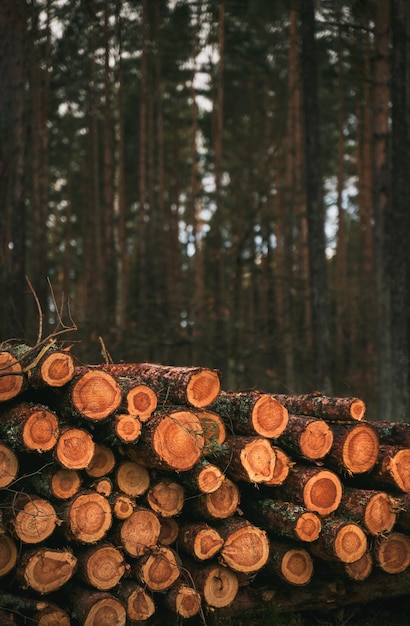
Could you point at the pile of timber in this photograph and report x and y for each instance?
(141, 492)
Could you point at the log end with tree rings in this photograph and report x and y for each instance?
(350, 543)
(297, 566)
(9, 465)
(169, 531)
(122, 505)
(12, 378)
(283, 464)
(36, 520)
(95, 394)
(203, 387)
(316, 440)
(57, 368)
(245, 548)
(380, 515)
(221, 503)
(178, 440)
(392, 552)
(8, 554)
(137, 600)
(89, 517)
(219, 586)
(41, 430)
(101, 608)
(269, 417)
(357, 409)
(75, 448)
(398, 466)
(360, 449)
(46, 570)
(141, 401)
(258, 460)
(158, 569)
(127, 428)
(101, 567)
(102, 462)
(166, 497)
(132, 479)
(200, 540)
(323, 492)
(361, 569)
(183, 600)
(213, 429)
(308, 526)
(65, 483)
(139, 532)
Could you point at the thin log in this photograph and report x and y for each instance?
(392, 552)
(213, 429)
(54, 369)
(140, 400)
(44, 569)
(286, 519)
(325, 407)
(122, 506)
(315, 488)
(290, 562)
(75, 448)
(138, 532)
(355, 448)
(340, 540)
(9, 465)
(246, 546)
(92, 394)
(93, 608)
(126, 428)
(103, 485)
(29, 427)
(87, 517)
(251, 413)
(200, 540)
(183, 600)
(132, 478)
(102, 462)
(101, 566)
(137, 600)
(218, 585)
(204, 477)
(166, 497)
(55, 482)
(13, 381)
(251, 459)
(307, 437)
(220, 504)
(8, 554)
(158, 569)
(375, 510)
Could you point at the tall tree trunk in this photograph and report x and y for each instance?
(141, 233)
(314, 195)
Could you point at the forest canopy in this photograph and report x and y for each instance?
(221, 183)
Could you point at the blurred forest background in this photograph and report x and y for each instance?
(221, 183)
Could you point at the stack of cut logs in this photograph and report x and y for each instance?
(130, 492)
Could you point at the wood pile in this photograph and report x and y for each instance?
(144, 492)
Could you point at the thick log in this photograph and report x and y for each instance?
(195, 386)
(182, 600)
(13, 380)
(376, 511)
(87, 517)
(91, 395)
(283, 465)
(94, 608)
(340, 540)
(169, 531)
(55, 482)
(290, 562)
(251, 459)
(137, 600)
(138, 532)
(286, 519)
(315, 488)
(75, 448)
(213, 429)
(220, 504)
(322, 406)
(44, 569)
(171, 440)
(307, 437)
(102, 462)
(158, 569)
(29, 427)
(218, 585)
(51, 615)
(8, 554)
(9, 465)
(204, 477)
(392, 552)
(101, 566)
(392, 469)
(246, 546)
(251, 413)
(393, 433)
(199, 540)
(355, 448)
(30, 518)
(166, 497)
(132, 478)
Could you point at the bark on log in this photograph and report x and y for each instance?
(121, 428)
(138, 532)
(29, 427)
(101, 566)
(315, 488)
(30, 518)
(361, 569)
(87, 517)
(54, 482)
(220, 504)
(324, 407)
(218, 585)
(166, 497)
(251, 413)
(158, 569)
(392, 469)
(171, 440)
(340, 540)
(101, 485)
(51, 615)
(200, 541)
(213, 429)
(283, 465)
(13, 380)
(375, 510)
(75, 448)
(102, 463)
(94, 608)
(45, 570)
(392, 552)
(307, 437)
(122, 506)
(204, 477)
(355, 448)
(8, 554)
(137, 600)
(91, 395)
(9, 465)
(286, 519)
(245, 548)
(132, 478)
(393, 433)
(251, 459)
(183, 600)
(46, 365)
(290, 562)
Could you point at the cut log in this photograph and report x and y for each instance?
(251, 459)
(102, 462)
(102, 485)
(392, 552)
(219, 504)
(290, 562)
(94, 608)
(361, 569)
(127, 428)
(45, 570)
(213, 429)
(166, 497)
(355, 448)
(8, 554)
(324, 407)
(51, 615)
(141, 401)
(245, 548)
(158, 569)
(218, 585)
(54, 482)
(403, 520)
(9, 465)
(286, 519)
(283, 465)
(183, 600)
(392, 469)
(200, 540)
(195, 386)
(29, 427)
(375, 510)
(340, 540)
(31, 518)
(251, 413)
(317, 489)
(122, 506)
(87, 517)
(92, 394)
(138, 532)
(132, 478)
(75, 448)
(307, 437)
(393, 433)
(21, 605)
(169, 531)
(101, 566)
(55, 368)
(171, 440)
(204, 477)
(137, 601)
(13, 380)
